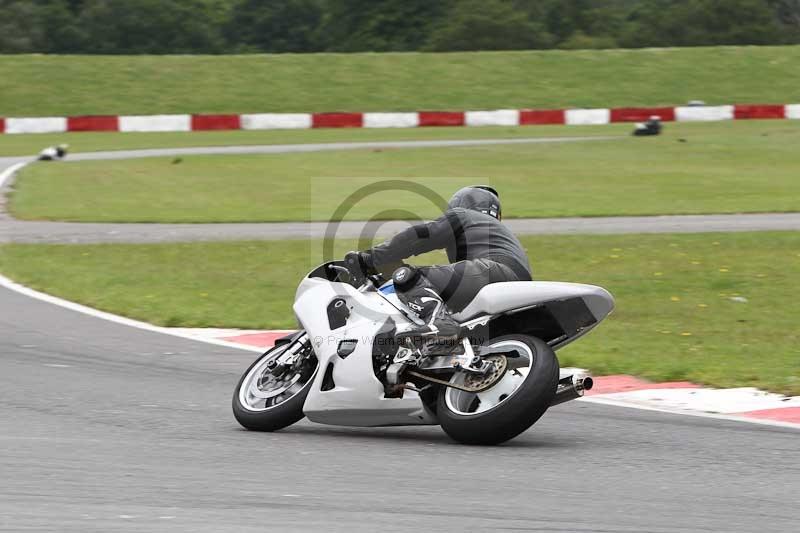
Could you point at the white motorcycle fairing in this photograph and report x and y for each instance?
(345, 389)
(356, 397)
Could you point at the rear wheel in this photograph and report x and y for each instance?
(511, 406)
(270, 396)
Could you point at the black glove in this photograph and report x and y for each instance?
(360, 262)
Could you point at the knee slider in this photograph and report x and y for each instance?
(405, 276)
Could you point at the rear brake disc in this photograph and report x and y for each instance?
(473, 382)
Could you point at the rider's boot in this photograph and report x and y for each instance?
(439, 331)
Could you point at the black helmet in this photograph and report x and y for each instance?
(478, 198)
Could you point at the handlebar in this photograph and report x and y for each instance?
(352, 263)
(341, 269)
(348, 271)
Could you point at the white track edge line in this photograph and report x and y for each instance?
(10, 171)
(96, 313)
(718, 416)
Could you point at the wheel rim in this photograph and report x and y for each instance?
(261, 390)
(472, 403)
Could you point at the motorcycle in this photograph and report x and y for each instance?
(348, 366)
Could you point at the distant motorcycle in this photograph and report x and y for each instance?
(53, 153)
(346, 367)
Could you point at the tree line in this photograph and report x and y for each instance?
(277, 26)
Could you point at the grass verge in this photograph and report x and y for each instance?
(693, 168)
(42, 85)
(718, 309)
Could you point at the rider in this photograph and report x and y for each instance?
(480, 248)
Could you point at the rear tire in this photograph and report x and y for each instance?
(513, 414)
(277, 416)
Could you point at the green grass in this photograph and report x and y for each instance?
(719, 168)
(675, 319)
(41, 85)
(18, 145)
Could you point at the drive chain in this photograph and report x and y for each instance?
(481, 383)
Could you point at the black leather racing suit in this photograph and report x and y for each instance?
(481, 249)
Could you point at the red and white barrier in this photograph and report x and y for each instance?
(276, 121)
(155, 123)
(588, 117)
(36, 125)
(704, 113)
(441, 118)
(793, 111)
(216, 122)
(337, 120)
(759, 111)
(641, 114)
(530, 117)
(499, 117)
(391, 120)
(93, 123)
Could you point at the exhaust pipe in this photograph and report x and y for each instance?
(571, 388)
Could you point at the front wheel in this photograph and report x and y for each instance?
(511, 406)
(271, 394)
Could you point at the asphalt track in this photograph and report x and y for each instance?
(64, 232)
(110, 428)
(88, 233)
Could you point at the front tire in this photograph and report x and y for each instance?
(255, 409)
(510, 407)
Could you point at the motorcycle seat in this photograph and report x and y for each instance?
(497, 298)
